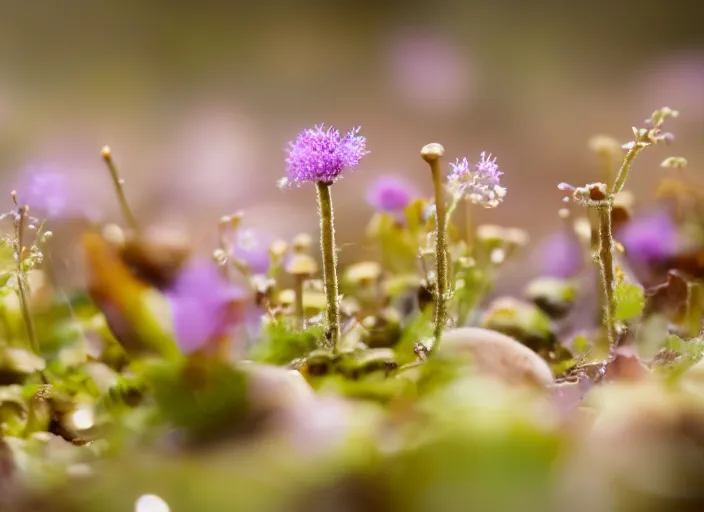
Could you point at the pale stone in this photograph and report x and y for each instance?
(497, 355)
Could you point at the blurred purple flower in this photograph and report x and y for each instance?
(650, 238)
(52, 193)
(481, 183)
(429, 71)
(677, 75)
(45, 190)
(561, 255)
(320, 155)
(252, 248)
(390, 195)
(202, 305)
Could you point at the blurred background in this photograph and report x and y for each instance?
(198, 99)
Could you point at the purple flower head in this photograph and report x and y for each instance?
(561, 255)
(390, 195)
(481, 183)
(45, 190)
(202, 305)
(650, 238)
(252, 249)
(320, 155)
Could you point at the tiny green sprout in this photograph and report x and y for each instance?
(302, 242)
(114, 235)
(363, 273)
(659, 116)
(278, 249)
(605, 145)
(521, 320)
(277, 253)
(232, 221)
(629, 300)
(301, 266)
(220, 257)
(46, 237)
(20, 255)
(608, 150)
(555, 296)
(674, 162)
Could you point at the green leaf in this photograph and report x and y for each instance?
(688, 354)
(581, 345)
(281, 345)
(629, 299)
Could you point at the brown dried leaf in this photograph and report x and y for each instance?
(156, 258)
(690, 263)
(668, 299)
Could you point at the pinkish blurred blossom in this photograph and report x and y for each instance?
(429, 71)
(52, 193)
(389, 194)
(252, 248)
(650, 237)
(676, 80)
(560, 254)
(202, 305)
(213, 160)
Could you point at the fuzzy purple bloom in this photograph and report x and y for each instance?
(650, 238)
(481, 183)
(202, 305)
(320, 155)
(45, 190)
(390, 195)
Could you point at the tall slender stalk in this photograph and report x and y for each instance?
(329, 253)
(431, 154)
(468, 224)
(606, 269)
(625, 168)
(21, 283)
(298, 300)
(119, 189)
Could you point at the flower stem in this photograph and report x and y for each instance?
(21, 280)
(469, 224)
(328, 249)
(119, 190)
(431, 154)
(298, 290)
(606, 269)
(625, 169)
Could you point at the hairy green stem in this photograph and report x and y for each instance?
(468, 224)
(607, 271)
(119, 189)
(440, 251)
(625, 169)
(298, 298)
(21, 282)
(329, 252)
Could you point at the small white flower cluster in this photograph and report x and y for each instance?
(479, 184)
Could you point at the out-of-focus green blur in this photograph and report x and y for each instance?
(198, 99)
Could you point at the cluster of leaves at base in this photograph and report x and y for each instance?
(280, 344)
